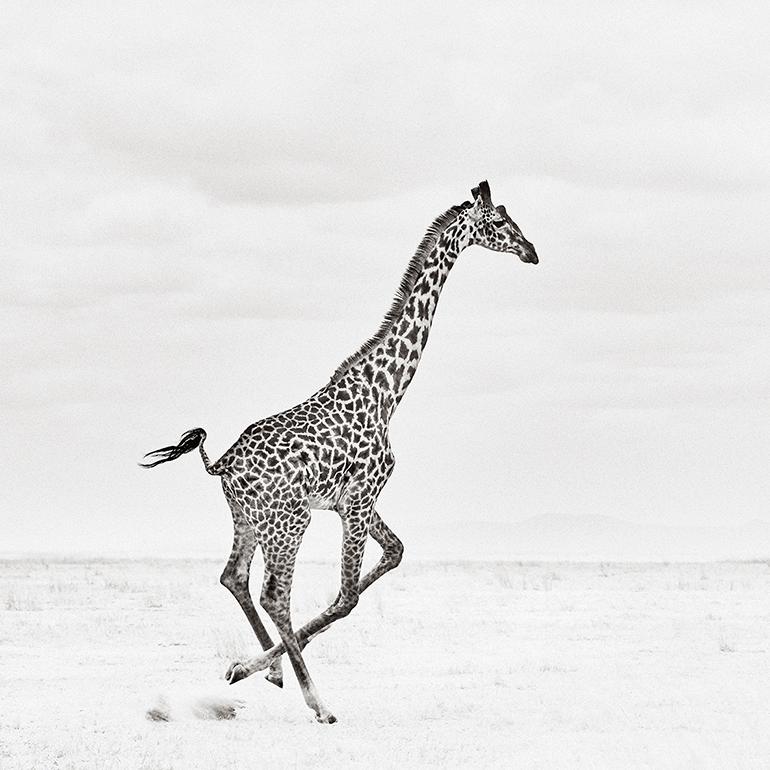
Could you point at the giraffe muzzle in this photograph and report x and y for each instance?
(529, 254)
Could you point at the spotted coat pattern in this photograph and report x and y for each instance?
(333, 451)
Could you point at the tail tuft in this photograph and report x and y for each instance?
(189, 441)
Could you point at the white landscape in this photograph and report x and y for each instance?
(448, 664)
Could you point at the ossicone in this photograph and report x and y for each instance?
(482, 191)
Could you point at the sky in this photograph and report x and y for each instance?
(206, 207)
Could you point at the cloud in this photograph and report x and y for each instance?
(281, 106)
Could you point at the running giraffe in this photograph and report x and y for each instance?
(332, 451)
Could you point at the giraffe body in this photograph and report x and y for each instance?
(333, 451)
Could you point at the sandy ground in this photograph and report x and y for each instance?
(449, 665)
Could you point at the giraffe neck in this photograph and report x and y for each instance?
(389, 360)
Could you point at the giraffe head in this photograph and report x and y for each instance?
(492, 228)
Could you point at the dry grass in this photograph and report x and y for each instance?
(451, 665)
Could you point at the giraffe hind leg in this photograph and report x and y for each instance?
(235, 578)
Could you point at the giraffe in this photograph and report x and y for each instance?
(332, 451)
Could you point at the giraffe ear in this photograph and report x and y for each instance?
(475, 209)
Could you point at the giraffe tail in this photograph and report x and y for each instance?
(193, 439)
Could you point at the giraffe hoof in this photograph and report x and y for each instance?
(326, 718)
(276, 678)
(235, 673)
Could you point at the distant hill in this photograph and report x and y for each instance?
(551, 537)
(539, 538)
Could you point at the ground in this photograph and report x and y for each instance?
(469, 665)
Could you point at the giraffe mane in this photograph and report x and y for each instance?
(409, 279)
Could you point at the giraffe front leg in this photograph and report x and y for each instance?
(392, 552)
(241, 669)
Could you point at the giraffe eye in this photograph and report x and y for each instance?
(498, 222)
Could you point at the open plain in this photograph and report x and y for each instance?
(499, 664)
